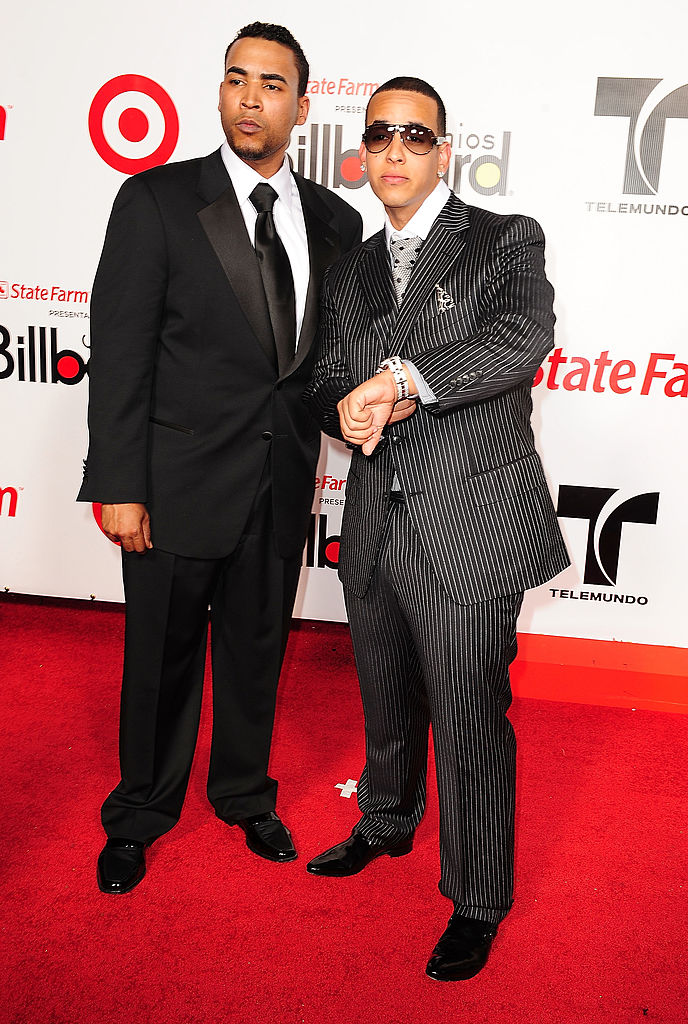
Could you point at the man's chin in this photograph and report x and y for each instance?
(249, 151)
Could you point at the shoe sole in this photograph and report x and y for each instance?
(462, 976)
(400, 851)
(266, 856)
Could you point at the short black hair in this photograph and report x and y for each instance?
(408, 84)
(276, 34)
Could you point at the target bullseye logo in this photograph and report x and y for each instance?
(133, 123)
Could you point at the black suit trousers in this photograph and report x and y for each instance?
(251, 595)
(423, 659)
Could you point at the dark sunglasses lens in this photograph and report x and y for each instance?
(376, 139)
(418, 139)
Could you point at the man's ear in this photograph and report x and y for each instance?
(304, 107)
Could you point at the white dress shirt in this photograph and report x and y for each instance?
(288, 214)
(423, 219)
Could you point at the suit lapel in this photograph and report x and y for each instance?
(224, 225)
(375, 278)
(324, 248)
(442, 248)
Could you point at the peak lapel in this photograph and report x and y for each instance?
(441, 250)
(224, 225)
(375, 276)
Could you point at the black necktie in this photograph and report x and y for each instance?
(278, 282)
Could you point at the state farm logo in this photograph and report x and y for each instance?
(34, 358)
(476, 160)
(133, 123)
(661, 374)
(606, 511)
(42, 293)
(336, 484)
(340, 87)
(9, 496)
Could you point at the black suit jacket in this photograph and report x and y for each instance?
(476, 320)
(186, 403)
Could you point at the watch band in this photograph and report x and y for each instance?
(395, 365)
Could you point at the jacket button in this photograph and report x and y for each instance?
(266, 435)
(396, 439)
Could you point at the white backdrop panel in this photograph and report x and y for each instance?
(521, 85)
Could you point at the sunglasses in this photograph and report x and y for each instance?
(416, 137)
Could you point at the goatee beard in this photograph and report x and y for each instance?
(250, 153)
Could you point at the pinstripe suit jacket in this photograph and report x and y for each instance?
(474, 484)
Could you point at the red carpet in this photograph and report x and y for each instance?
(214, 934)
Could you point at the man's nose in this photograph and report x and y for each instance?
(395, 150)
(250, 97)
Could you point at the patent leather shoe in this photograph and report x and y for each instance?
(121, 865)
(462, 950)
(268, 836)
(354, 854)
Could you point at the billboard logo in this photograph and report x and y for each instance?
(9, 496)
(606, 516)
(4, 289)
(648, 105)
(321, 551)
(37, 360)
(3, 122)
(338, 167)
(320, 156)
(133, 124)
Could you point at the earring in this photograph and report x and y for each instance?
(363, 167)
(440, 174)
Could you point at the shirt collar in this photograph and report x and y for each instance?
(423, 219)
(244, 178)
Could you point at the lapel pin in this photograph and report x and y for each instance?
(444, 300)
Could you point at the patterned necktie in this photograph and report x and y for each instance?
(278, 282)
(404, 255)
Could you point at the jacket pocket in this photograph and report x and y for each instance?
(517, 477)
(171, 426)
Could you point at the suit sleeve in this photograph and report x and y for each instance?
(126, 312)
(516, 325)
(332, 379)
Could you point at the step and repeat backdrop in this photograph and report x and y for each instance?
(579, 119)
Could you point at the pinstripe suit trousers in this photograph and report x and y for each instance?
(424, 659)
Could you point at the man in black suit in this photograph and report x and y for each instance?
(201, 450)
(431, 333)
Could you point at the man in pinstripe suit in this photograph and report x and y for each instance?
(431, 333)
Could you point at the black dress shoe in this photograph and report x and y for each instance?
(121, 865)
(462, 950)
(354, 854)
(267, 836)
